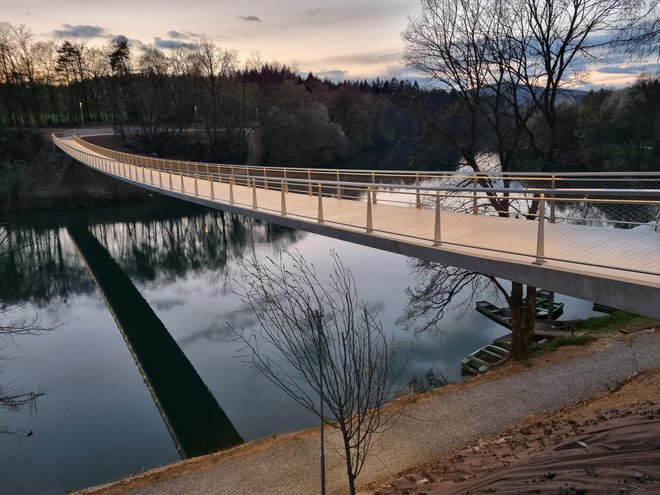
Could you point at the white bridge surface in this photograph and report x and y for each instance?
(435, 218)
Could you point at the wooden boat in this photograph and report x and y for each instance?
(495, 313)
(503, 315)
(543, 306)
(483, 359)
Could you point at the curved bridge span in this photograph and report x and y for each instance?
(591, 236)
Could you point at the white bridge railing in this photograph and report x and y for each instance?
(604, 220)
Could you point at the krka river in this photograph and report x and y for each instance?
(137, 360)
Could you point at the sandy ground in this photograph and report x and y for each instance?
(610, 444)
(436, 427)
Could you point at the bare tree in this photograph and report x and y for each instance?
(440, 288)
(320, 344)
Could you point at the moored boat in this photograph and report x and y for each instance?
(483, 359)
(502, 315)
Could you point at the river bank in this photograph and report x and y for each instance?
(36, 176)
(432, 425)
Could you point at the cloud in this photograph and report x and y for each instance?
(177, 35)
(182, 35)
(249, 18)
(81, 31)
(630, 69)
(362, 59)
(168, 44)
(332, 74)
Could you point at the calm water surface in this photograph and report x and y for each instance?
(100, 420)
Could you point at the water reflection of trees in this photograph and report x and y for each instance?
(41, 264)
(14, 398)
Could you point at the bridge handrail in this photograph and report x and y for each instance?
(425, 174)
(250, 173)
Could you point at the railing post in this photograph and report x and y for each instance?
(170, 173)
(418, 200)
(338, 185)
(181, 174)
(247, 177)
(231, 189)
(151, 175)
(160, 177)
(196, 177)
(283, 198)
(309, 182)
(475, 206)
(265, 179)
(370, 222)
(540, 240)
(552, 202)
(320, 212)
(211, 182)
(254, 194)
(436, 235)
(286, 181)
(144, 175)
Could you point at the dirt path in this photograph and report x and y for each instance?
(431, 427)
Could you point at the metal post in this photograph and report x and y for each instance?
(320, 213)
(370, 223)
(151, 175)
(196, 177)
(309, 182)
(540, 240)
(231, 189)
(211, 182)
(265, 179)
(181, 174)
(319, 316)
(418, 200)
(338, 185)
(254, 194)
(475, 206)
(170, 173)
(283, 198)
(436, 234)
(552, 204)
(286, 181)
(160, 177)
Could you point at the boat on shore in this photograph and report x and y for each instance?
(502, 315)
(483, 359)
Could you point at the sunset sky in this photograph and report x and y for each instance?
(338, 39)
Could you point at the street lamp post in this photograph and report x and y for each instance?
(82, 115)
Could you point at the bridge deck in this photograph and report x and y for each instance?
(616, 267)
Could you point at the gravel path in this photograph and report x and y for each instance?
(289, 465)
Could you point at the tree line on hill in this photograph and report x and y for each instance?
(307, 121)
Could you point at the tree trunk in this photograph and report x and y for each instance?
(522, 321)
(349, 465)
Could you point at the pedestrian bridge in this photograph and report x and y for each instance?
(591, 236)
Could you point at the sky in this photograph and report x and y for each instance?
(338, 39)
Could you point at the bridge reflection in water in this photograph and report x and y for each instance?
(192, 415)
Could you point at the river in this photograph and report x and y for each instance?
(108, 411)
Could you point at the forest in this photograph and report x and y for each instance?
(200, 101)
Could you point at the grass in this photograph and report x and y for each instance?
(614, 321)
(594, 326)
(558, 342)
